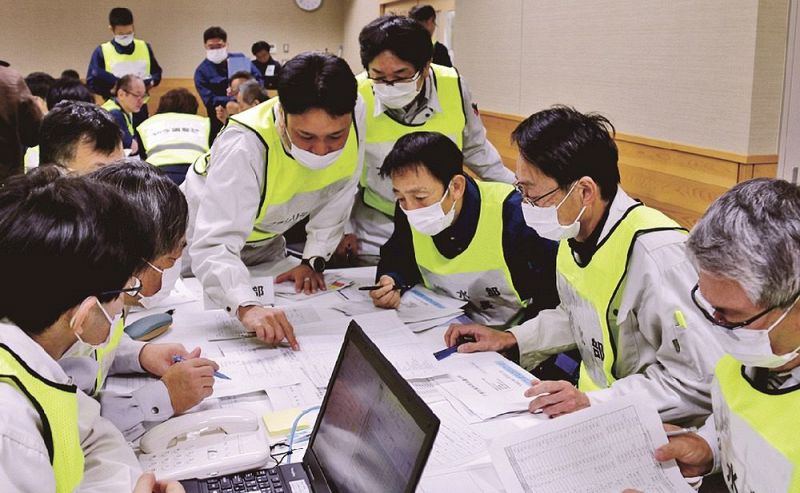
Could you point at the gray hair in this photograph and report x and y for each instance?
(252, 91)
(151, 191)
(752, 234)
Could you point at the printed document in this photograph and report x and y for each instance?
(604, 448)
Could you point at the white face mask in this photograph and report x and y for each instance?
(168, 279)
(545, 220)
(87, 348)
(398, 95)
(432, 220)
(311, 160)
(751, 347)
(124, 39)
(217, 55)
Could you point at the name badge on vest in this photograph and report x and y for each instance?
(262, 286)
(270, 71)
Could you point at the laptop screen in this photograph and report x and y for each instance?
(374, 433)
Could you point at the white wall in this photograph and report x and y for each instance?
(358, 13)
(707, 73)
(55, 35)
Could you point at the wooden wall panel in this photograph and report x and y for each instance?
(678, 179)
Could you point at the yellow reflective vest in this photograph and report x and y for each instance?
(174, 138)
(57, 405)
(479, 274)
(105, 354)
(291, 191)
(111, 105)
(383, 131)
(137, 63)
(758, 435)
(597, 288)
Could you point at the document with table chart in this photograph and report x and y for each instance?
(604, 448)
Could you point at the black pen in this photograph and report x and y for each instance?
(375, 288)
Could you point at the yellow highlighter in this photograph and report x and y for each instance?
(680, 321)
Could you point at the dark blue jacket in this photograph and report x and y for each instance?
(531, 259)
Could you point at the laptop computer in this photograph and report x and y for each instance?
(373, 434)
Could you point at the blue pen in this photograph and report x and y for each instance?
(440, 355)
(178, 358)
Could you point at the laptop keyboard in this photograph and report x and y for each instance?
(263, 480)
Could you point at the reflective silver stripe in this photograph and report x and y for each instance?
(182, 145)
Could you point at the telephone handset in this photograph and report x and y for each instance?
(205, 444)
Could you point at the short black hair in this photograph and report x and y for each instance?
(259, 46)
(215, 32)
(39, 83)
(66, 89)
(120, 16)
(422, 13)
(403, 36)
(566, 145)
(63, 239)
(430, 150)
(317, 80)
(71, 122)
(70, 74)
(178, 100)
(153, 193)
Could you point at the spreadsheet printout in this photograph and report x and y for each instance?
(604, 448)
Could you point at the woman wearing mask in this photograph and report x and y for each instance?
(128, 97)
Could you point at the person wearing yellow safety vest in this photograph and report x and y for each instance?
(295, 156)
(121, 56)
(175, 136)
(69, 270)
(622, 275)
(181, 386)
(405, 93)
(747, 250)
(129, 97)
(462, 238)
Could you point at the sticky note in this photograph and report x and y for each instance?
(279, 423)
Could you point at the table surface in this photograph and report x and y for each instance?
(478, 475)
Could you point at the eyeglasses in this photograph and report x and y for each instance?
(532, 200)
(132, 291)
(708, 311)
(382, 80)
(144, 96)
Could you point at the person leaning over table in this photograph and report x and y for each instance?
(623, 278)
(180, 386)
(295, 156)
(747, 249)
(464, 238)
(69, 270)
(404, 92)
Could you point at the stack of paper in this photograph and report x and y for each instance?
(486, 385)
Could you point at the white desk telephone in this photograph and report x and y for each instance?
(205, 444)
